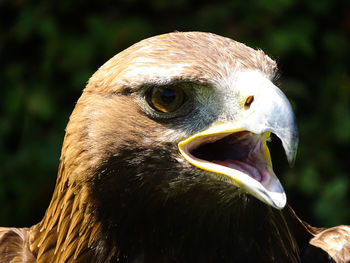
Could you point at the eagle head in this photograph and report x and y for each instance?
(182, 108)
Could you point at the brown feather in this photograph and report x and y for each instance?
(14, 246)
(335, 241)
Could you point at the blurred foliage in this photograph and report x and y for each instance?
(49, 49)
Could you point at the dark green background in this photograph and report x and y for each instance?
(49, 49)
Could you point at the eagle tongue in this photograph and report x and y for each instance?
(243, 167)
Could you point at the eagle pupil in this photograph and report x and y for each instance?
(168, 96)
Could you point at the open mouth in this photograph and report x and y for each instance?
(243, 151)
(242, 156)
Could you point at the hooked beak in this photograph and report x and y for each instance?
(238, 150)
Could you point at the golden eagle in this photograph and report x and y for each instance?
(165, 160)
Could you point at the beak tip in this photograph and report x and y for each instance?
(279, 200)
(291, 156)
(292, 151)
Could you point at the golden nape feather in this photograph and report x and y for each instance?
(334, 240)
(165, 160)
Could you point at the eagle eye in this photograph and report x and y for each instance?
(165, 99)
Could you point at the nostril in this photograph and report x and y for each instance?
(248, 102)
